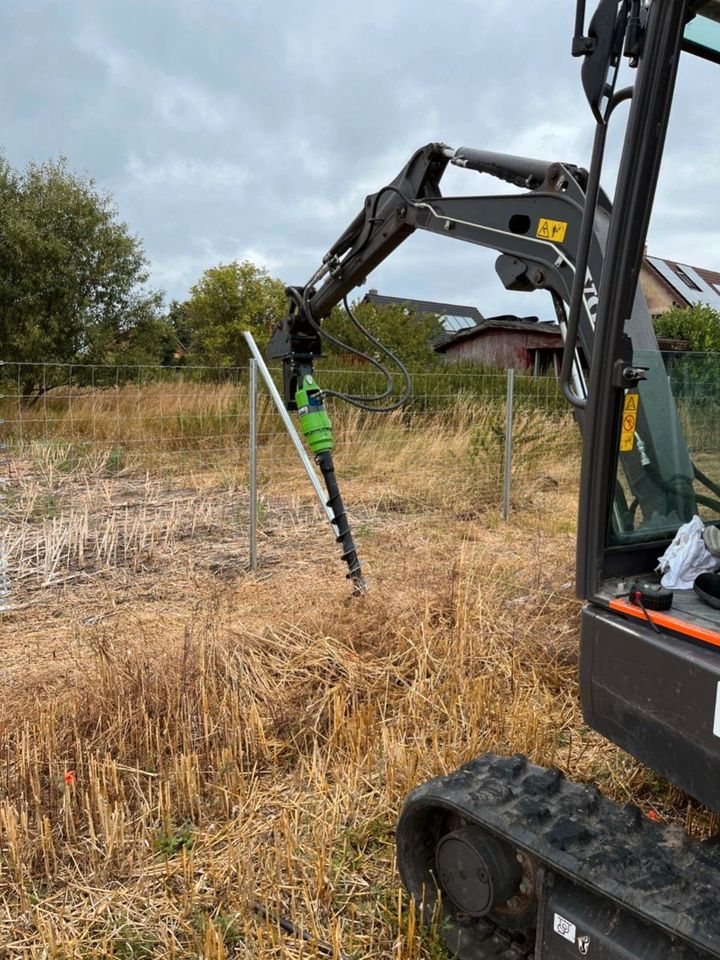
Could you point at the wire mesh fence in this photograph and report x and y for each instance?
(123, 468)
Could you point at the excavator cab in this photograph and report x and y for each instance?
(650, 677)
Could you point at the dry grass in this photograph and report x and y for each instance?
(239, 737)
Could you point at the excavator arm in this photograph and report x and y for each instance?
(545, 236)
(535, 233)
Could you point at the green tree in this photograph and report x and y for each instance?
(177, 319)
(699, 325)
(226, 301)
(693, 373)
(163, 340)
(72, 277)
(396, 326)
(152, 340)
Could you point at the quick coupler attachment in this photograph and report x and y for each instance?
(317, 430)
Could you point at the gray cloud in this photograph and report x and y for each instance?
(241, 128)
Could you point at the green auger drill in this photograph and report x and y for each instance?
(317, 430)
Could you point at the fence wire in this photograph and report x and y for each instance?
(122, 468)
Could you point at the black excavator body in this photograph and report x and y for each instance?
(509, 859)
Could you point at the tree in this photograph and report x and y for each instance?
(408, 335)
(71, 274)
(693, 374)
(177, 319)
(152, 341)
(699, 326)
(226, 301)
(163, 340)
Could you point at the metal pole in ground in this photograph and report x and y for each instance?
(508, 442)
(252, 462)
(5, 585)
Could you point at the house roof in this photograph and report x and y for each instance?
(504, 322)
(687, 285)
(462, 321)
(453, 316)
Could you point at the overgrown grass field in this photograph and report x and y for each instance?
(190, 750)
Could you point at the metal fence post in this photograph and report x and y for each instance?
(508, 442)
(5, 584)
(252, 462)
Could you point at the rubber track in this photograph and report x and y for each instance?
(655, 871)
(491, 943)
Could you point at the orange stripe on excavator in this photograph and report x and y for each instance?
(662, 619)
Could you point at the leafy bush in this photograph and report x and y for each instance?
(699, 326)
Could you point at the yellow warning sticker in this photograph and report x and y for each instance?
(629, 422)
(551, 230)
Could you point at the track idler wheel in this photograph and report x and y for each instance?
(476, 872)
(478, 888)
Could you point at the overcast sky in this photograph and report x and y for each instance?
(232, 129)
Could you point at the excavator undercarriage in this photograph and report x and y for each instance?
(509, 858)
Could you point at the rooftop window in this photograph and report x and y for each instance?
(684, 277)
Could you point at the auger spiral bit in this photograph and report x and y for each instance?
(317, 430)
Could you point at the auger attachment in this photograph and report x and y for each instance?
(317, 430)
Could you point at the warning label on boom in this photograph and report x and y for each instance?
(551, 230)
(629, 422)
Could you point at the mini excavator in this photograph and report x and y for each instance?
(520, 862)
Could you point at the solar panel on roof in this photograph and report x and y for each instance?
(700, 292)
(453, 323)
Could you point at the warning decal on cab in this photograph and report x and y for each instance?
(551, 230)
(629, 422)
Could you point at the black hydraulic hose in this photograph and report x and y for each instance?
(303, 303)
(363, 402)
(359, 400)
(391, 188)
(344, 537)
(366, 333)
(289, 927)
